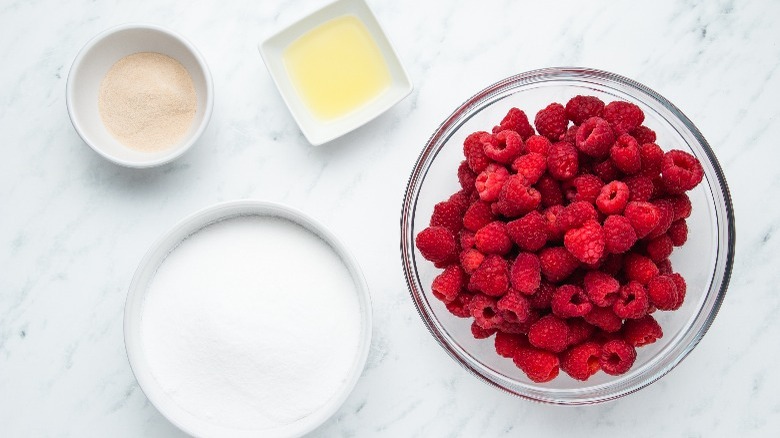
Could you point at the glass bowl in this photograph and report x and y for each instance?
(705, 260)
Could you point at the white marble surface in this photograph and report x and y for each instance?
(73, 226)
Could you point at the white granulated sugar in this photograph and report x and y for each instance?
(251, 323)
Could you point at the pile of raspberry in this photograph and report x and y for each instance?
(559, 241)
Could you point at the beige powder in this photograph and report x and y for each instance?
(147, 101)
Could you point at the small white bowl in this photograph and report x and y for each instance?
(146, 271)
(319, 131)
(93, 62)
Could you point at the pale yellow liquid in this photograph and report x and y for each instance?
(337, 67)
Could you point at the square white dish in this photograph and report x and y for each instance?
(318, 131)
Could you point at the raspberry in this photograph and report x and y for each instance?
(582, 361)
(485, 311)
(562, 161)
(539, 365)
(531, 166)
(652, 158)
(643, 134)
(557, 263)
(542, 298)
(449, 214)
(551, 122)
(493, 239)
(570, 301)
(466, 177)
(504, 146)
(617, 357)
(613, 198)
(490, 181)
(659, 248)
(604, 318)
(538, 144)
(550, 215)
(606, 170)
(644, 217)
(437, 244)
(525, 274)
(625, 154)
(460, 305)
(640, 188)
(623, 116)
(586, 243)
(517, 121)
(550, 190)
(514, 307)
(575, 215)
(633, 301)
(570, 136)
(518, 327)
(662, 291)
(470, 260)
(481, 333)
(516, 198)
(474, 151)
(678, 232)
(447, 285)
(639, 268)
(682, 206)
(682, 288)
(492, 277)
(642, 331)
(666, 217)
(613, 263)
(602, 289)
(466, 239)
(581, 108)
(579, 330)
(585, 187)
(549, 333)
(477, 216)
(664, 267)
(681, 171)
(507, 345)
(595, 137)
(528, 232)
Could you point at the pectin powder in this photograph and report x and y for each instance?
(251, 323)
(147, 101)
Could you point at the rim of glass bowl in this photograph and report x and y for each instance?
(669, 356)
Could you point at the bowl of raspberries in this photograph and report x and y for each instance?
(567, 235)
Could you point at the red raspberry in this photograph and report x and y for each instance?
(623, 116)
(481, 333)
(619, 235)
(681, 171)
(570, 136)
(551, 121)
(579, 330)
(575, 215)
(490, 181)
(664, 267)
(540, 366)
(550, 190)
(570, 301)
(517, 121)
(449, 214)
(640, 188)
(562, 161)
(504, 146)
(652, 157)
(613, 263)
(525, 274)
(662, 291)
(682, 206)
(659, 248)
(447, 285)
(477, 216)
(595, 137)
(542, 298)
(606, 170)
(531, 166)
(633, 301)
(466, 177)
(639, 268)
(507, 345)
(625, 154)
(484, 309)
(516, 198)
(437, 244)
(550, 215)
(470, 260)
(682, 288)
(604, 318)
(549, 333)
(644, 217)
(666, 217)
(492, 277)
(538, 144)
(602, 289)
(678, 232)
(617, 357)
(581, 108)
(557, 263)
(586, 243)
(642, 331)
(585, 187)
(514, 307)
(466, 239)
(582, 361)
(643, 134)
(493, 239)
(460, 305)
(512, 328)
(528, 232)
(613, 198)
(474, 151)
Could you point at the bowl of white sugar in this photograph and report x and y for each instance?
(139, 95)
(248, 319)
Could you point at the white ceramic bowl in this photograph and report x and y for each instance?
(319, 131)
(183, 419)
(93, 62)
